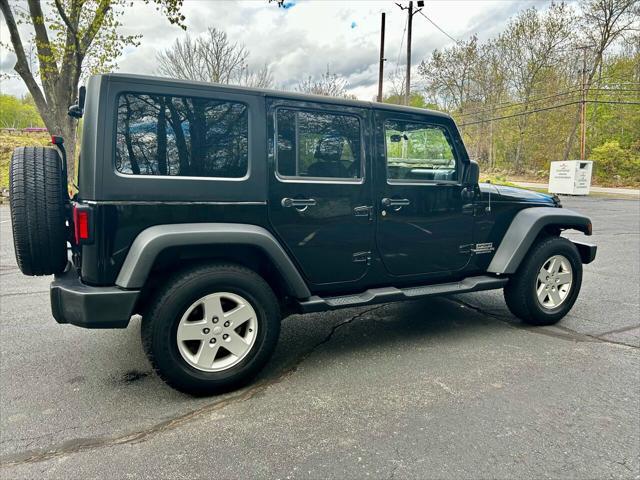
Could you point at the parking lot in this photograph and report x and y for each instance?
(452, 387)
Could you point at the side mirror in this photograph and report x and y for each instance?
(82, 94)
(77, 110)
(472, 173)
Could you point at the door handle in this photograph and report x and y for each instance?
(395, 202)
(468, 209)
(300, 204)
(363, 211)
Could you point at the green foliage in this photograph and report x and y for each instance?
(516, 97)
(11, 141)
(91, 28)
(496, 180)
(68, 40)
(612, 163)
(17, 113)
(415, 100)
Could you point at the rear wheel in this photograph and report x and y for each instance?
(547, 284)
(211, 329)
(37, 200)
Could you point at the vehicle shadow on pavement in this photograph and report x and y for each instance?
(380, 328)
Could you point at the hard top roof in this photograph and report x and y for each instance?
(272, 93)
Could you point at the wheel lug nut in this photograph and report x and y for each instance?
(214, 319)
(205, 330)
(213, 340)
(225, 336)
(226, 324)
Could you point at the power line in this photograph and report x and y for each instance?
(512, 104)
(615, 102)
(438, 27)
(509, 103)
(545, 109)
(401, 42)
(519, 114)
(616, 90)
(539, 99)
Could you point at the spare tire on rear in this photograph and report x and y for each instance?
(37, 199)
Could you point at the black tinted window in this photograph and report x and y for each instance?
(320, 145)
(181, 136)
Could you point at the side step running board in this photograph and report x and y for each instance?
(392, 294)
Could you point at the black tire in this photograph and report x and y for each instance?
(520, 292)
(160, 325)
(37, 201)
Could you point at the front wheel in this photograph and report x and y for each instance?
(211, 329)
(547, 283)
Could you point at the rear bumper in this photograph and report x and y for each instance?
(586, 250)
(90, 307)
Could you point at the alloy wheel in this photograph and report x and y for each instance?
(217, 331)
(554, 282)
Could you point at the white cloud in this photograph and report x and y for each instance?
(303, 39)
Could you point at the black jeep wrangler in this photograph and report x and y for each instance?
(213, 211)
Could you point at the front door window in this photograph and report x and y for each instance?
(418, 151)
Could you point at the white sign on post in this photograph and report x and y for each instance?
(572, 177)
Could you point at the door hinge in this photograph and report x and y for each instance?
(362, 257)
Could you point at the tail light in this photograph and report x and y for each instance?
(82, 224)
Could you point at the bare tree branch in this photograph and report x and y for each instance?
(329, 84)
(22, 64)
(212, 58)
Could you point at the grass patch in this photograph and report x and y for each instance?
(11, 141)
(496, 180)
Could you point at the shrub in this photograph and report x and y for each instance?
(10, 141)
(613, 164)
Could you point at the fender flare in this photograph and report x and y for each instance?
(524, 229)
(153, 240)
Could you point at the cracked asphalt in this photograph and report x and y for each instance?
(452, 387)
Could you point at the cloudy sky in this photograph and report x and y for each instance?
(307, 36)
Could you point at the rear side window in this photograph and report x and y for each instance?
(181, 136)
(418, 151)
(318, 145)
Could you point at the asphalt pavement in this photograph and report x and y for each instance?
(440, 388)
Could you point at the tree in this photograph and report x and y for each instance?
(448, 73)
(415, 100)
(212, 57)
(601, 24)
(329, 84)
(514, 96)
(17, 113)
(72, 38)
(532, 44)
(611, 162)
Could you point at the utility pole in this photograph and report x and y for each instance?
(381, 71)
(407, 88)
(583, 105)
(411, 13)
